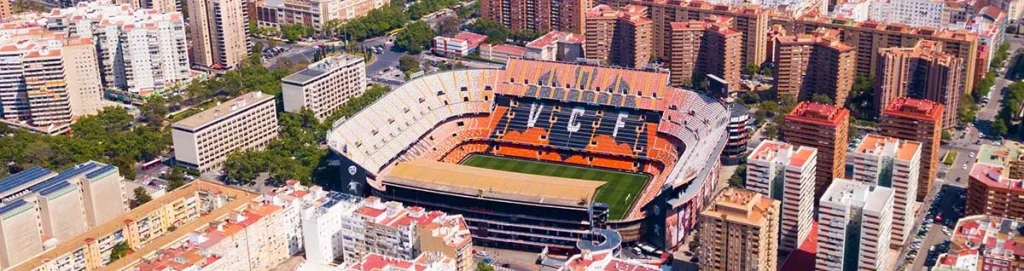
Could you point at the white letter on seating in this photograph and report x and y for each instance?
(619, 123)
(573, 125)
(534, 114)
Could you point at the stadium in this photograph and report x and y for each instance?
(540, 154)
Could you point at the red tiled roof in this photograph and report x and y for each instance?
(804, 257)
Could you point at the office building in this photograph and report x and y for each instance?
(47, 80)
(995, 183)
(921, 72)
(739, 232)
(388, 228)
(853, 230)
(43, 208)
(893, 163)
(823, 127)
(984, 242)
(204, 140)
(141, 51)
(148, 228)
(751, 22)
(620, 37)
(786, 173)
(325, 85)
(537, 15)
(814, 64)
(218, 33)
(739, 130)
(921, 121)
(702, 48)
(868, 37)
(556, 46)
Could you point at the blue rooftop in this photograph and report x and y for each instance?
(12, 205)
(46, 191)
(100, 171)
(64, 176)
(23, 178)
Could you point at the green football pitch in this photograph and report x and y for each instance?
(619, 191)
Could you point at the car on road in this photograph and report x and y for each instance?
(972, 155)
(964, 167)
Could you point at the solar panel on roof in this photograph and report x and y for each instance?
(23, 178)
(12, 205)
(53, 188)
(64, 176)
(100, 171)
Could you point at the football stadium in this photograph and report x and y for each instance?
(541, 155)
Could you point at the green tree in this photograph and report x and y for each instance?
(469, 11)
(481, 266)
(496, 33)
(415, 37)
(821, 99)
(738, 179)
(154, 110)
(967, 110)
(946, 135)
(999, 128)
(752, 69)
(119, 251)
(449, 26)
(141, 197)
(771, 130)
(175, 179)
(408, 64)
(294, 32)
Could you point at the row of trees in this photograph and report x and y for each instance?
(416, 37)
(498, 33)
(296, 154)
(1006, 120)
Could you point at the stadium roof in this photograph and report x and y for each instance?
(494, 184)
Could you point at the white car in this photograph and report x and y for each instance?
(964, 167)
(972, 155)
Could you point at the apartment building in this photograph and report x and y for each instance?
(984, 242)
(823, 127)
(59, 207)
(204, 140)
(785, 173)
(739, 134)
(853, 231)
(869, 37)
(296, 201)
(146, 229)
(253, 239)
(739, 232)
(47, 80)
(388, 228)
(311, 13)
(180, 259)
(374, 262)
(893, 163)
(620, 37)
(5, 11)
(603, 260)
(218, 33)
(995, 186)
(921, 72)
(537, 15)
(916, 13)
(921, 121)
(321, 227)
(702, 48)
(813, 64)
(751, 22)
(141, 51)
(325, 85)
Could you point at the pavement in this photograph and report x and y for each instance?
(386, 60)
(511, 259)
(297, 53)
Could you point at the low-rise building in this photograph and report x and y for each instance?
(425, 262)
(502, 52)
(556, 46)
(325, 85)
(603, 260)
(204, 140)
(460, 45)
(984, 242)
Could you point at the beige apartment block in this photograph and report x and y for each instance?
(218, 33)
(894, 163)
(702, 48)
(620, 37)
(740, 232)
(786, 173)
(203, 141)
(19, 232)
(84, 87)
(814, 64)
(325, 85)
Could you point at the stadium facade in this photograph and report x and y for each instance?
(591, 118)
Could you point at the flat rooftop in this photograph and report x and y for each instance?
(320, 68)
(742, 206)
(887, 146)
(238, 104)
(854, 193)
(493, 184)
(821, 114)
(241, 198)
(999, 155)
(915, 109)
(771, 150)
